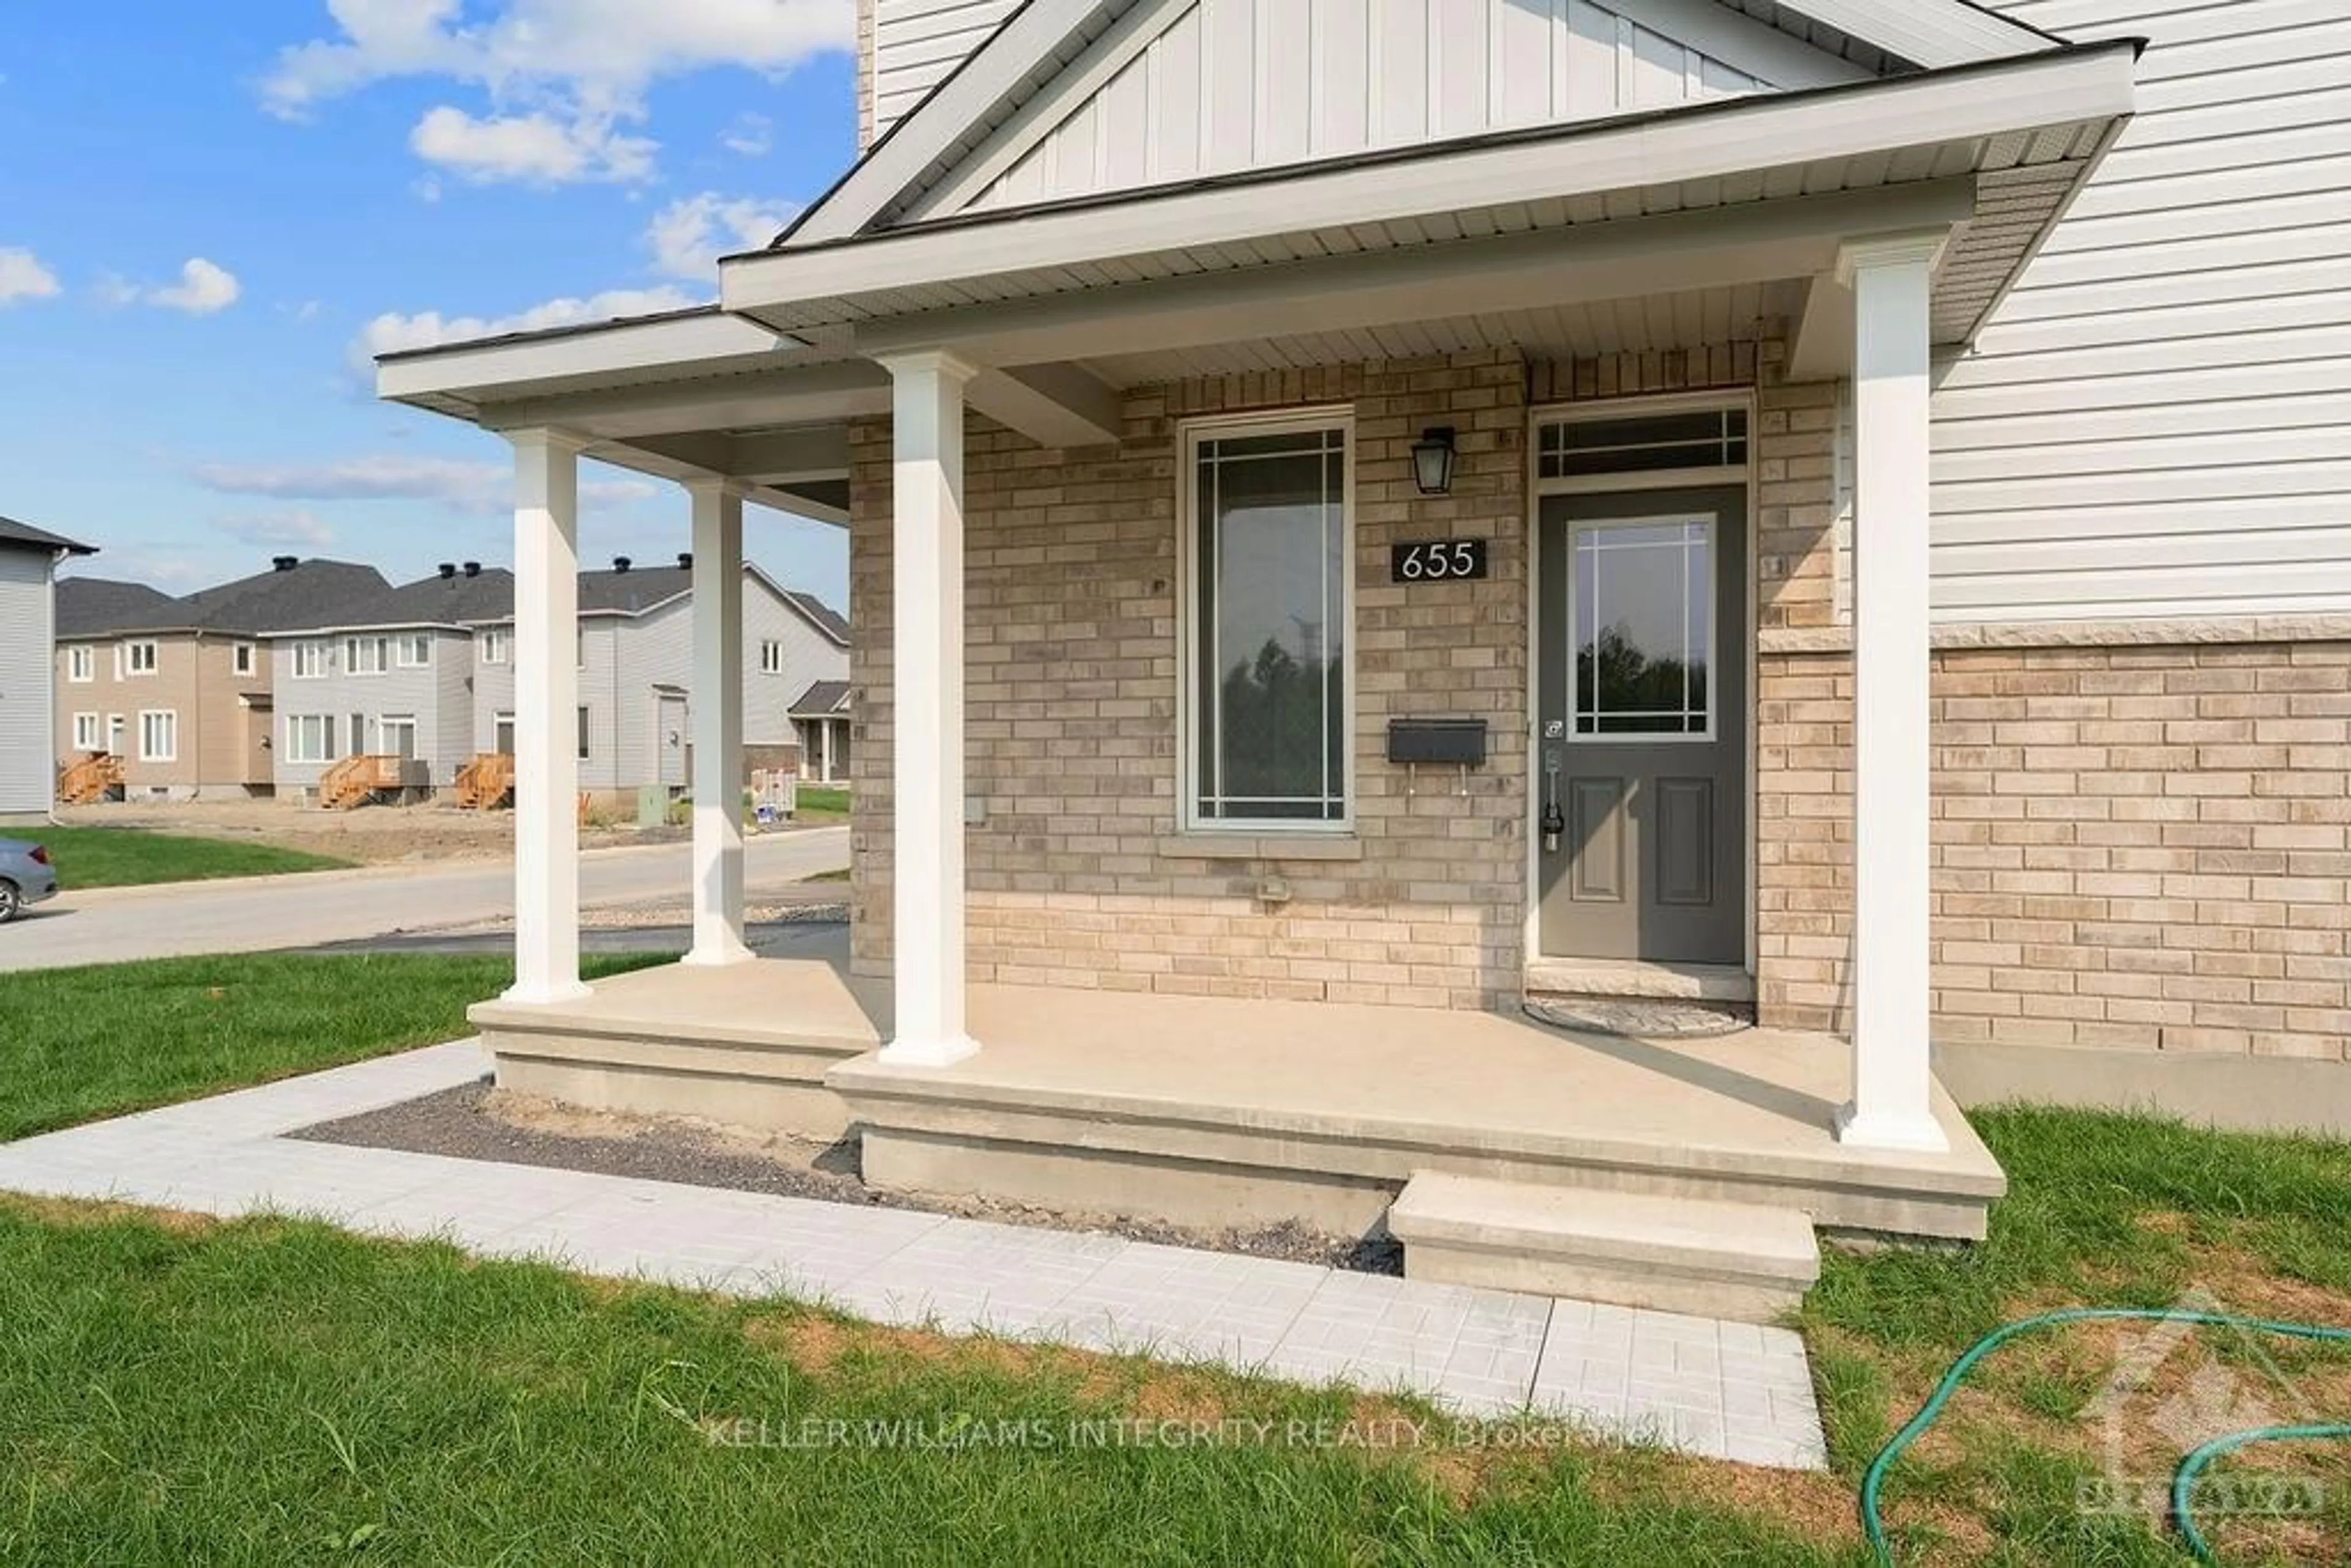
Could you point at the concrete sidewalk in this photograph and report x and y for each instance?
(1726, 1390)
(261, 914)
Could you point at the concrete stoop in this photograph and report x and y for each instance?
(1743, 1261)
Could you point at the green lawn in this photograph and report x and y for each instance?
(128, 857)
(84, 1043)
(172, 1390)
(822, 800)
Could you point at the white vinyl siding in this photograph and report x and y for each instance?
(2157, 421)
(1239, 84)
(28, 715)
(916, 43)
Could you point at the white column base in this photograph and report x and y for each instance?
(905, 1052)
(1881, 1130)
(717, 954)
(545, 996)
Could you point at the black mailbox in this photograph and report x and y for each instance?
(1459, 742)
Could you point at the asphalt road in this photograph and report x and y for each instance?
(253, 914)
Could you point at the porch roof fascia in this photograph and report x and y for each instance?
(815, 286)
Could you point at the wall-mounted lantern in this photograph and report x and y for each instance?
(1432, 460)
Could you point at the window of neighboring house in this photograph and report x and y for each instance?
(159, 736)
(581, 635)
(240, 659)
(494, 646)
(309, 737)
(772, 657)
(1269, 555)
(312, 659)
(583, 734)
(137, 659)
(366, 656)
(395, 735)
(80, 664)
(86, 732)
(412, 649)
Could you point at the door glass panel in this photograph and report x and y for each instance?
(1642, 628)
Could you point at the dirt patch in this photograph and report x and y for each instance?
(476, 1121)
(371, 836)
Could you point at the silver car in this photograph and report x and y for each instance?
(26, 876)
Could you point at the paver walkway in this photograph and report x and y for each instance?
(1724, 1389)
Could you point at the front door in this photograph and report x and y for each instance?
(669, 734)
(1642, 726)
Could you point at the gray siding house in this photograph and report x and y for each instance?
(29, 557)
(426, 673)
(392, 676)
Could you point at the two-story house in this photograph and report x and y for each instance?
(177, 690)
(424, 674)
(29, 557)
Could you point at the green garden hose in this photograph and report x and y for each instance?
(2183, 1481)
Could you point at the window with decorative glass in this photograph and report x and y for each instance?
(1268, 560)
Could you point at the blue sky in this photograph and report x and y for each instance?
(211, 215)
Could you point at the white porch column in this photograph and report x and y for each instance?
(717, 723)
(547, 701)
(1892, 1071)
(926, 708)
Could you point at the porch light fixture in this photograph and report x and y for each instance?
(1432, 460)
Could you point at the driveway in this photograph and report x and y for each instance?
(254, 914)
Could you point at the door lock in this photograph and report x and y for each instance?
(1554, 821)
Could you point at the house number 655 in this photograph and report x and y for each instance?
(1438, 560)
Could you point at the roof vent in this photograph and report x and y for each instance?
(285, 562)
(473, 569)
(448, 570)
(620, 563)
(685, 560)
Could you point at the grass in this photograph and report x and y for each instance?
(823, 800)
(269, 1391)
(2103, 1210)
(131, 857)
(110, 1039)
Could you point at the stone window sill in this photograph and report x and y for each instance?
(1261, 847)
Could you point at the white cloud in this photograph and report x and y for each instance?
(203, 289)
(295, 525)
(752, 135)
(455, 483)
(689, 236)
(391, 331)
(22, 277)
(577, 67)
(534, 149)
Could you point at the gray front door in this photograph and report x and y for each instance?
(1642, 726)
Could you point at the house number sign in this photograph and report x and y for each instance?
(1436, 561)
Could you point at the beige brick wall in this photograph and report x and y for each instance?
(2138, 846)
(1072, 697)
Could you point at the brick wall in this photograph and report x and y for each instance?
(1072, 699)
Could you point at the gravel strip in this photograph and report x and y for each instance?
(475, 1122)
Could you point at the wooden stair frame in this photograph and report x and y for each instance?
(88, 778)
(485, 782)
(358, 779)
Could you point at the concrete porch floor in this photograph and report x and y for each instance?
(1208, 1110)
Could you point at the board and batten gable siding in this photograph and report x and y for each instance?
(916, 43)
(1239, 84)
(25, 692)
(2156, 420)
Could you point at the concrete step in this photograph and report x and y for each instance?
(1737, 1260)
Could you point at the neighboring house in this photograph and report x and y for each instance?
(1838, 508)
(392, 675)
(821, 717)
(29, 557)
(425, 673)
(179, 689)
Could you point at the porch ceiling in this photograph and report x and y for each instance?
(1688, 318)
